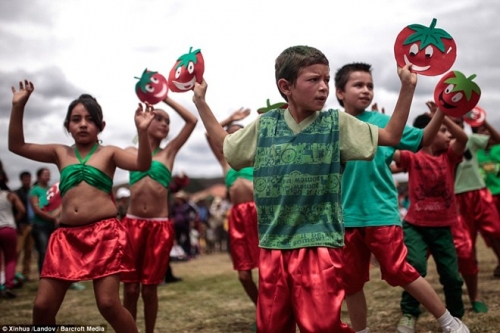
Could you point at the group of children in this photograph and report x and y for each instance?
(311, 188)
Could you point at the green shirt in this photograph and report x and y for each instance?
(369, 195)
(468, 177)
(41, 194)
(489, 166)
(298, 170)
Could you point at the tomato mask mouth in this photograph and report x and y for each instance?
(185, 85)
(163, 91)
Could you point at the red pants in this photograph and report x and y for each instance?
(303, 287)
(387, 245)
(479, 214)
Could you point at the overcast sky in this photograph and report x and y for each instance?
(70, 47)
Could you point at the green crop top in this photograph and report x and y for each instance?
(158, 172)
(232, 175)
(74, 174)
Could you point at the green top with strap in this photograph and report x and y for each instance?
(74, 174)
(158, 172)
(232, 175)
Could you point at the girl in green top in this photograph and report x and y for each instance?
(90, 243)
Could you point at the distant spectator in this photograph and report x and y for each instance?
(24, 227)
(8, 237)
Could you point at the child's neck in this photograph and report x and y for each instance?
(298, 114)
(85, 147)
(353, 111)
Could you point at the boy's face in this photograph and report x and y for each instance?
(311, 88)
(357, 94)
(441, 140)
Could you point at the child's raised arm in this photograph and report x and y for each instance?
(142, 162)
(461, 138)
(17, 145)
(214, 129)
(391, 134)
(434, 125)
(186, 131)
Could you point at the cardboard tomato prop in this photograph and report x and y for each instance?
(152, 87)
(188, 69)
(475, 117)
(54, 200)
(270, 107)
(432, 51)
(455, 94)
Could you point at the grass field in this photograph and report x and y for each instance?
(211, 300)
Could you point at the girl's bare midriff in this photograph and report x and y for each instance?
(241, 191)
(148, 199)
(79, 205)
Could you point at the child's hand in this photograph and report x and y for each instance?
(406, 76)
(432, 107)
(240, 114)
(143, 118)
(375, 108)
(21, 96)
(200, 89)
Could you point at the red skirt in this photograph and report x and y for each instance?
(88, 252)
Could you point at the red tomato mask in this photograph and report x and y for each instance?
(53, 198)
(152, 87)
(270, 107)
(475, 117)
(455, 94)
(188, 69)
(432, 51)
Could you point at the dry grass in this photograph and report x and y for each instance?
(210, 299)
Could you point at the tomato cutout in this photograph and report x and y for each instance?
(152, 87)
(455, 95)
(53, 198)
(476, 117)
(270, 107)
(188, 69)
(432, 51)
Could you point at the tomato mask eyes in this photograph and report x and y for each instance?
(152, 87)
(475, 117)
(455, 94)
(188, 69)
(270, 107)
(432, 51)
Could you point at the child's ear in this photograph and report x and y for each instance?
(103, 125)
(340, 94)
(284, 86)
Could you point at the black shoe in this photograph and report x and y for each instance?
(172, 279)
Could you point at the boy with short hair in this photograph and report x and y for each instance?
(370, 203)
(432, 213)
(298, 156)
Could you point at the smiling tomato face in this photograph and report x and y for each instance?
(432, 51)
(152, 87)
(188, 69)
(455, 94)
